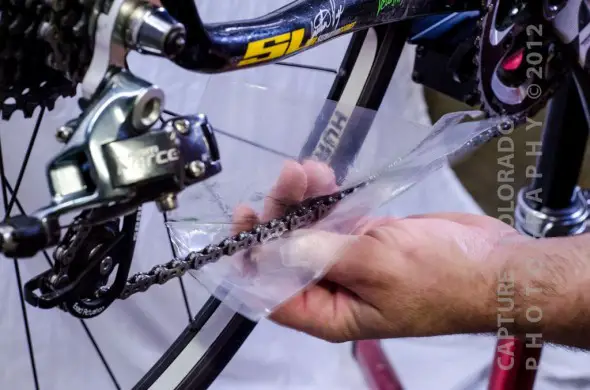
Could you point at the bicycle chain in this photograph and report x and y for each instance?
(66, 250)
(301, 216)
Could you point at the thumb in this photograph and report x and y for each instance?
(315, 249)
(306, 252)
(314, 254)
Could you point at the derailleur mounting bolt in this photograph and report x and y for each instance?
(196, 168)
(183, 126)
(167, 202)
(64, 133)
(175, 44)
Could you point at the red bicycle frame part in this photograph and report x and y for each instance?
(515, 364)
(376, 368)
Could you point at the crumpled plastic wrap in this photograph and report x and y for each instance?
(255, 282)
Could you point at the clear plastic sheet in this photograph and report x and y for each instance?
(254, 283)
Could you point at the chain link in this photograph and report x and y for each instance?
(67, 249)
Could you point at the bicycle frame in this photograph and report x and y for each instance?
(303, 24)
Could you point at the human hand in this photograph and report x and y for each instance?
(393, 277)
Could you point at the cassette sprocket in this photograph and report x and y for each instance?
(45, 48)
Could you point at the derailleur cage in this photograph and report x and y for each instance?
(79, 270)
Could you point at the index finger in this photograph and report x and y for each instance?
(288, 190)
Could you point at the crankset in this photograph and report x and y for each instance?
(520, 61)
(509, 60)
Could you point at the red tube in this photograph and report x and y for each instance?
(376, 369)
(514, 366)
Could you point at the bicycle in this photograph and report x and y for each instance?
(116, 159)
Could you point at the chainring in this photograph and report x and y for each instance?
(45, 49)
(512, 32)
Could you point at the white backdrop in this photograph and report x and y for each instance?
(132, 335)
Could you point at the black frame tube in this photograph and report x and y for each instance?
(222, 47)
(565, 134)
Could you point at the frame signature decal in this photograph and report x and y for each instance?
(326, 19)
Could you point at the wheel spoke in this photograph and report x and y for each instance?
(309, 67)
(26, 323)
(240, 139)
(4, 181)
(181, 281)
(18, 279)
(25, 162)
(255, 144)
(101, 356)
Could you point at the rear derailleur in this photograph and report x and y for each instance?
(119, 154)
(115, 160)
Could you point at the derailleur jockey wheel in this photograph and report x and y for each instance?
(89, 272)
(96, 259)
